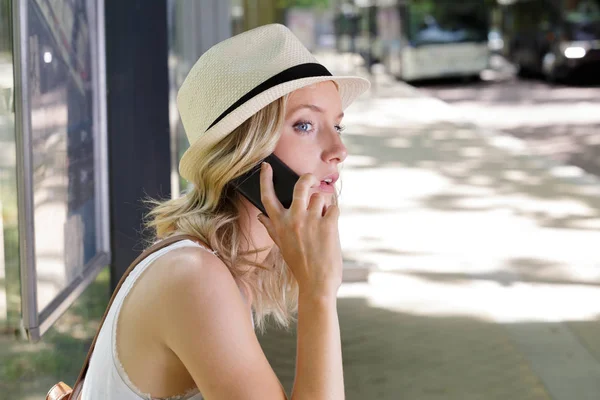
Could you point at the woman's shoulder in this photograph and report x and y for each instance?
(196, 287)
(187, 264)
(172, 277)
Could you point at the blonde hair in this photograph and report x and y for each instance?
(209, 212)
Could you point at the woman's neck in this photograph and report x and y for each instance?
(252, 229)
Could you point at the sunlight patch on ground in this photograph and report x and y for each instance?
(485, 300)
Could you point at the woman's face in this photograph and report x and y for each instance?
(311, 135)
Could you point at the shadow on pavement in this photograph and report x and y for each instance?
(559, 121)
(459, 154)
(394, 355)
(572, 144)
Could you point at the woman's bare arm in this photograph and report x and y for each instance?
(319, 373)
(207, 324)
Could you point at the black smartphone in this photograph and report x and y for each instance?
(284, 180)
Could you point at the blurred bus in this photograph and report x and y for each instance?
(552, 38)
(428, 39)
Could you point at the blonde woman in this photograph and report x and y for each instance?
(182, 326)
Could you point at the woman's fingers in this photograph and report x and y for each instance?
(317, 202)
(267, 191)
(301, 192)
(332, 212)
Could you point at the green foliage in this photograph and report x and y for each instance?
(303, 3)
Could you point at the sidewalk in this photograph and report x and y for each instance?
(485, 279)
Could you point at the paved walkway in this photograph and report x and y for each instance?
(485, 275)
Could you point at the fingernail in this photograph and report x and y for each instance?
(259, 216)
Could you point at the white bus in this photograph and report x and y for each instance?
(428, 39)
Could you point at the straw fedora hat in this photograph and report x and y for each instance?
(237, 77)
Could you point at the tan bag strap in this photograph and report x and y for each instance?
(157, 246)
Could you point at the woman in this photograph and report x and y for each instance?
(184, 328)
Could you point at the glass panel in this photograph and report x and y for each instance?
(448, 22)
(582, 19)
(582, 11)
(62, 139)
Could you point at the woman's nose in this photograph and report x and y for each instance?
(336, 150)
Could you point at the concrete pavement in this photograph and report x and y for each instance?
(485, 279)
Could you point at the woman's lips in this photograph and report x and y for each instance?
(327, 185)
(327, 188)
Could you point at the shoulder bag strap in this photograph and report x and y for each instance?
(157, 246)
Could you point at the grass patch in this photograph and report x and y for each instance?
(62, 350)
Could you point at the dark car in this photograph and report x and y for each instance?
(563, 39)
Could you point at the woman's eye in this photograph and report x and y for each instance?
(304, 126)
(340, 128)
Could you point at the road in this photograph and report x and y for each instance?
(559, 121)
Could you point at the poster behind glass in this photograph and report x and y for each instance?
(63, 101)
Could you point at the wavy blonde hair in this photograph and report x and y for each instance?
(209, 211)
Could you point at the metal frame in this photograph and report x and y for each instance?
(24, 176)
(34, 322)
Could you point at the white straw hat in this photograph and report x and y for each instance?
(237, 77)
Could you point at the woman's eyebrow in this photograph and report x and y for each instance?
(313, 108)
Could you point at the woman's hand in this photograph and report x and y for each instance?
(307, 237)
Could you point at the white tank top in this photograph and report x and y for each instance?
(106, 379)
